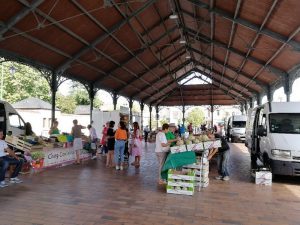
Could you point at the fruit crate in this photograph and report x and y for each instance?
(25, 146)
(180, 182)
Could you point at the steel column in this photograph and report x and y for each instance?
(53, 87)
(287, 87)
(130, 101)
(157, 116)
(150, 122)
(142, 105)
(183, 115)
(258, 99)
(115, 100)
(270, 94)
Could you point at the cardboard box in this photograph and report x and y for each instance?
(263, 177)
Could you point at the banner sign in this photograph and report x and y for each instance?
(58, 156)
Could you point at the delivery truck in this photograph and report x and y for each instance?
(236, 127)
(273, 137)
(11, 122)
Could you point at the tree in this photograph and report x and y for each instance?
(66, 104)
(25, 82)
(163, 120)
(196, 116)
(81, 96)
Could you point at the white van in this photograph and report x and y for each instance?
(273, 137)
(236, 127)
(10, 121)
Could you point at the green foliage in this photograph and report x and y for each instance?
(163, 120)
(25, 82)
(81, 96)
(196, 116)
(66, 104)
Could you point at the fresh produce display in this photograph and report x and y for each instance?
(179, 142)
(204, 137)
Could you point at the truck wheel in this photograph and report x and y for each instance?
(267, 164)
(232, 139)
(254, 161)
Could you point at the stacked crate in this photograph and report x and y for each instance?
(181, 182)
(201, 170)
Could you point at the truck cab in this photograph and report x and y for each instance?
(236, 126)
(10, 121)
(272, 136)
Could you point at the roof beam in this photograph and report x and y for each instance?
(218, 81)
(256, 38)
(92, 18)
(175, 55)
(228, 79)
(222, 13)
(140, 51)
(166, 75)
(201, 72)
(157, 101)
(293, 34)
(15, 19)
(278, 72)
(259, 83)
(140, 37)
(232, 32)
(98, 40)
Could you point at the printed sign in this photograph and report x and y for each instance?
(58, 156)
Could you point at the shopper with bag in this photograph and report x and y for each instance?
(136, 145)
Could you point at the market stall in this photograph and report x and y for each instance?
(187, 166)
(41, 153)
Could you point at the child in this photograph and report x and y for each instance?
(136, 145)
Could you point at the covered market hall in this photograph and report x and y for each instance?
(240, 51)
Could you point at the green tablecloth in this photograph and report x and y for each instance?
(175, 160)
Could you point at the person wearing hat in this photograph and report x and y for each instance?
(170, 135)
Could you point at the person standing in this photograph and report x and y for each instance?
(93, 140)
(104, 139)
(6, 161)
(77, 142)
(170, 135)
(161, 149)
(120, 139)
(223, 159)
(182, 130)
(110, 144)
(54, 129)
(136, 145)
(190, 128)
(146, 133)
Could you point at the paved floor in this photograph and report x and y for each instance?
(91, 194)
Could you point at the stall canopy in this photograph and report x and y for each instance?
(143, 49)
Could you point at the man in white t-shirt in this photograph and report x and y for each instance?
(93, 139)
(6, 161)
(161, 149)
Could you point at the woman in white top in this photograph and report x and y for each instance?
(161, 149)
